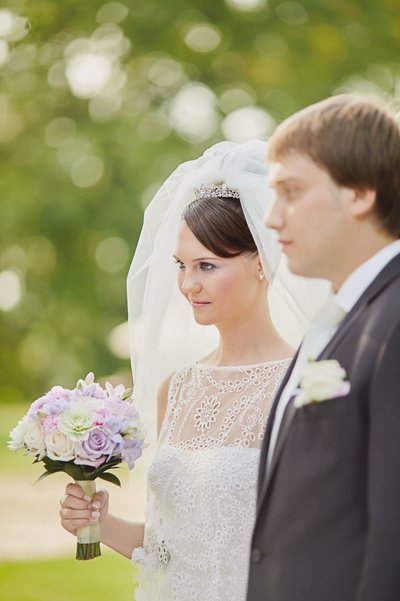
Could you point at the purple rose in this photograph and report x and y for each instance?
(132, 450)
(97, 449)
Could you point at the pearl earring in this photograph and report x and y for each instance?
(260, 275)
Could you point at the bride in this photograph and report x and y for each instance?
(204, 231)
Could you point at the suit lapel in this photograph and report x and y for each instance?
(391, 271)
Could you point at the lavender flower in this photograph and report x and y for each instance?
(96, 449)
(131, 451)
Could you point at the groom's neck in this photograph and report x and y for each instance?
(366, 243)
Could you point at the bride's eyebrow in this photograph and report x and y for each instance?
(197, 258)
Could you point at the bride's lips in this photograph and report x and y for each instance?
(199, 303)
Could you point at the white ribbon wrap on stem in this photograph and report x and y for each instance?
(88, 537)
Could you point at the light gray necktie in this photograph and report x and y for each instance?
(318, 335)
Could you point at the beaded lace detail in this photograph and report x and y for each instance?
(202, 483)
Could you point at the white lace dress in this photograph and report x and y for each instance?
(202, 483)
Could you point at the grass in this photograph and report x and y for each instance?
(108, 577)
(102, 579)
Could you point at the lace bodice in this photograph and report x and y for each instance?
(202, 483)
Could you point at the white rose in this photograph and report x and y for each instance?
(17, 435)
(59, 446)
(34, 439)
(136, 431)
(78, 420)
(322, 380)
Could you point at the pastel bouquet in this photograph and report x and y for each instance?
(84, 432)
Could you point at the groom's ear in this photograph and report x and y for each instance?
(362, 202)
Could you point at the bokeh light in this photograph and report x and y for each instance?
(165, 72)
(113, 12)
(10, 289)
(86, 171)
(12, 27)
(192, 112)
(247, 5)
(118, 341)
(203, 37)
(88, 74)
(112, 254)
(247, 123)
(292, 13)
(235, 98)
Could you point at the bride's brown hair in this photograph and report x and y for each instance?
(220, 225)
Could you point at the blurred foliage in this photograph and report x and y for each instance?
(97, 108)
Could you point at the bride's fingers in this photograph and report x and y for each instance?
(71, 515)
(68, 501)
(76, 491)
(73, 525)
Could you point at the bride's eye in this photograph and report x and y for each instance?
(179, 263)
(206, 266)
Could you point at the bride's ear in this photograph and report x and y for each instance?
(260, 269)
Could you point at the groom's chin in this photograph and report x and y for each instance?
(305, 271)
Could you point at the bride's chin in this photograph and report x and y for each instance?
(203, 321)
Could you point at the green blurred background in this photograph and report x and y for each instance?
(99, 102)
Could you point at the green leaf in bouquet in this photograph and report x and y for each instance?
(52, 464)
(46, 474)
(110, 478)
(125, 396)
(77, 472)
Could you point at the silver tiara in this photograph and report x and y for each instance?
(216, 191)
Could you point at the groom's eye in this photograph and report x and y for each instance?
(291, 191)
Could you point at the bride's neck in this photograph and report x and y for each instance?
(249, 342)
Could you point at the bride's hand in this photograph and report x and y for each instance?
(78, 510)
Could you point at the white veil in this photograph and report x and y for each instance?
(163, 333)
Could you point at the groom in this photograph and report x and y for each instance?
(328, 515)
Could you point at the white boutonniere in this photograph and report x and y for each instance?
(322, 380)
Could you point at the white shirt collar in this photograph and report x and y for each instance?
(358, 281)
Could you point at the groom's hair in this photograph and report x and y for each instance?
(356, 139)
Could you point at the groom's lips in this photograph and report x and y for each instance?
(285, 243)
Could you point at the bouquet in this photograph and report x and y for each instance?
(84, 432)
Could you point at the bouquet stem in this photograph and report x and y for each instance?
(88, 545)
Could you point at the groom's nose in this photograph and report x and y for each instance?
(274, 217)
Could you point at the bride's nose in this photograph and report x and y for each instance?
(190, 282)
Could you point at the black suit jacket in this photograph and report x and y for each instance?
(328, 514)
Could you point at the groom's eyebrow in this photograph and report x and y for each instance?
(284, 180)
